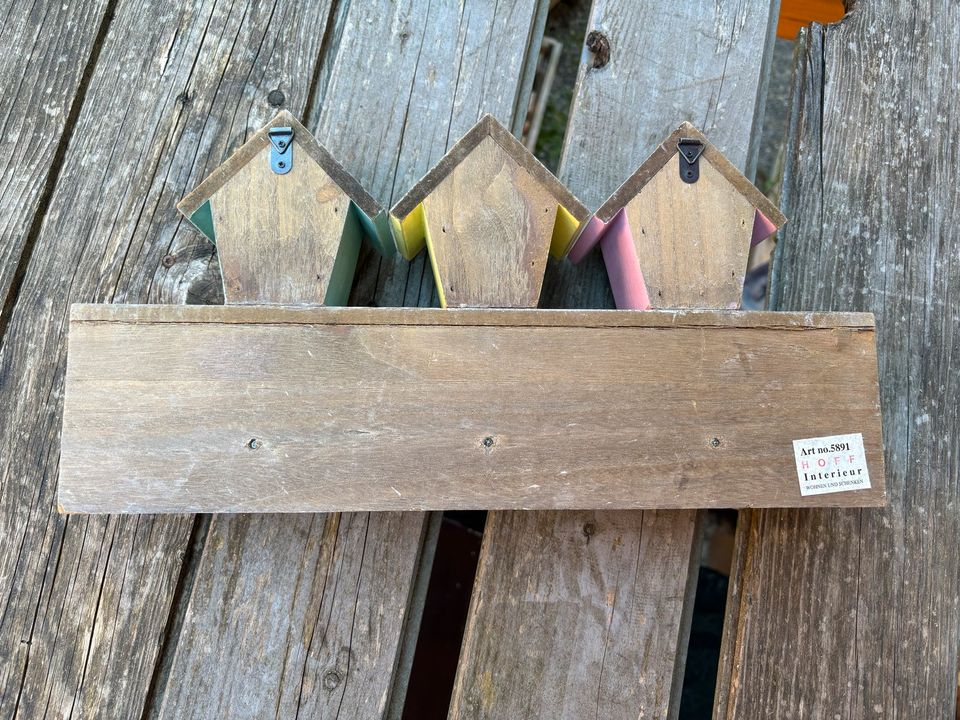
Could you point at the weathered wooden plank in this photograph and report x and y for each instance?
(501, 317)
(348, 410)
(47, 49)
(691, 255)
(388, 99)
(87, 600)
(847, 612)
(666, 50)
(608, 609)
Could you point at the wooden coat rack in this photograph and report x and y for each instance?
(335, 409)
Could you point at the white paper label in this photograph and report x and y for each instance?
(831, 464)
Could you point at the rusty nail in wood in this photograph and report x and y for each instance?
(599, 45)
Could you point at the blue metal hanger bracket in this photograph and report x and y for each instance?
(281, 149)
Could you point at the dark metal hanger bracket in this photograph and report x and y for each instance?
(690, 150)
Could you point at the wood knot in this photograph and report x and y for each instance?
(599, 46)
(331, 680)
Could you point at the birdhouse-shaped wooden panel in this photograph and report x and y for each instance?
(287, 219)
(679, 230)
(489, 214)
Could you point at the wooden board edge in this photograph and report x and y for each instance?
(875, 497)
(519, 317)
(416, 603)
(734, 616)
(685, 625)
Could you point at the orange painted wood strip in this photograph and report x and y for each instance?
(795, 14)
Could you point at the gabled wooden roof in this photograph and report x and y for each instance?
(258, 142)
(488, 126)
(667, 149)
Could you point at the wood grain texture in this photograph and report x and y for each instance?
(86, 601)
(489, 225)
(501, 317)
(612, 657)
(846, 612)
(362, 413)
(488, 128)
(282, 614)
(489, 213)
(259, 141)
(729, 39)
(41, 73)
(286, 252)
(377, 64)
(692, 240)
(667, 151)
(558, 665)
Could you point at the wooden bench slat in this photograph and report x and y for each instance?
(39, 94)
(88, 601)
(395, 86)
(584, 614)
(855, 612)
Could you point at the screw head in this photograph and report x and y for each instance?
(488, 442)
(715, 442)
(254, 444)
(281, 164)
(168, 260)
(276, 98)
